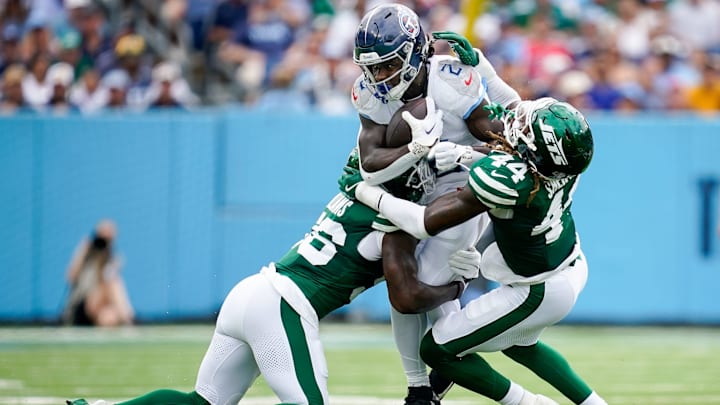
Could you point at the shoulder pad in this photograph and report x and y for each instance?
(461, 78)
(370, 105)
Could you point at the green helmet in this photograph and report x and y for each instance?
(551, 135)
(411, 185)
(415, 183)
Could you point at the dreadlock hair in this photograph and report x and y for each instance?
(499, 143)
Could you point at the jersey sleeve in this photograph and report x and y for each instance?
(501, 181)
(460, 89)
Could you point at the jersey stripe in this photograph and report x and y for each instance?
(492, 183)
(489, 199)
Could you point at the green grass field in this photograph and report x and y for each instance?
(627, 365)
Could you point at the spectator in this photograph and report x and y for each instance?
(695, 23)
(705, 96)
(259, 43)
(36, 89)
(90, 22)
(88, 94)
(39, 38)
(10, 50)
(97, 295)
(169, 88)
(116, 82)
(12, 94)
(70, 51)
(60, 77)
(131, 57)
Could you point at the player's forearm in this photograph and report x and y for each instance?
(422, 297)
(381, 171)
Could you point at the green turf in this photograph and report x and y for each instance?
(626, 365)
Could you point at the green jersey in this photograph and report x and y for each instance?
(338, 259)
(535, 236)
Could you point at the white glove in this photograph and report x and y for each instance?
(449, 154)
(484, 67)
(465, 263)
(426, 131)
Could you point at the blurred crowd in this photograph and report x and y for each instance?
(58, 56)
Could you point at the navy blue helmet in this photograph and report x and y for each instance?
(387, 32)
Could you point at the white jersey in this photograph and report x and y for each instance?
(457, 90)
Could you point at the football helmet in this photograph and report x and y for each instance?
(412, 185)
(551, 135)
(387, 32)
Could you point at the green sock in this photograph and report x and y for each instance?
(167, 397)
(470, 371)
(552, 367)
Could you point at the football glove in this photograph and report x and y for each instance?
(349, 181)
(460, 45)
(466, 263)
(497, 111)
(448, 154)
(425, 131)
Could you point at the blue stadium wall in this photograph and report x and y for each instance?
(205, 199)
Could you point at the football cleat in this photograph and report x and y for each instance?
(421, 396)
(440, 385)
(84, 402)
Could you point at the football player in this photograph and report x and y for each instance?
(399, 65)
(269, 322)
(526, 184)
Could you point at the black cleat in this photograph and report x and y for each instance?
(440, 385)
(421, 396)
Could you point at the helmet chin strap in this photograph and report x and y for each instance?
(412, 86)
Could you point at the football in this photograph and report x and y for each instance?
(398, 131)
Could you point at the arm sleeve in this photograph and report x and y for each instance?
(501, 92)
(395, 169)
(408, 216)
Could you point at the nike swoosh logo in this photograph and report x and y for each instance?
(348, 188)
(431, 129)
(494, 173)
(354, 96)
(469, 80)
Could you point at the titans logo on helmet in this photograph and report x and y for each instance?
(409, 22)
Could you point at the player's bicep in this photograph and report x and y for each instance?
(479, 123)
(371, 142)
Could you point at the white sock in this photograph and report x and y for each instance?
(514, 394)
(594, 399)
